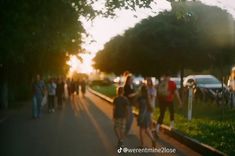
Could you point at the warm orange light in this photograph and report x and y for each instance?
(80, 66)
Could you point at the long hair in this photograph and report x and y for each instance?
(145, 94)
(128, 78)
(232, 75)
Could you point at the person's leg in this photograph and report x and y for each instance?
(130, 119)
(53, 103)
(34, 107)
(171, 110)
(141, 137)
(162, 107)
(150, 135)
(117, 133)
(60, 101)
(39, 106)
(49, 103)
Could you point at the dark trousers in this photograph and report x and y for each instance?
(130, 120)
(163, 106)
(51, 102)
(60, 100)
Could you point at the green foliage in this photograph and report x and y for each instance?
(36, 35)
(109, 90)
(209, 125)
(191, 35)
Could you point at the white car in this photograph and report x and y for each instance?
(207, 86)
(177, 81)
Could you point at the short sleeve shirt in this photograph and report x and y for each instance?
(120, 107)
(152, 92)
(128, 90)
(171, 90)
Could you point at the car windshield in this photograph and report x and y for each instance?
(207, 81)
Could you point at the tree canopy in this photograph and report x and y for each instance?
(192, 35)
(36, 35)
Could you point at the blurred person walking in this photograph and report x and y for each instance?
(165, 93)
(72, 90)
(145, 116)
(39, 89)
(129, 92)
(51, 95)
(60, 92)
(231, 86)
(120, 104)
(152, 93)
(83, 87)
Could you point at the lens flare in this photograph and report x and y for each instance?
(81, 63)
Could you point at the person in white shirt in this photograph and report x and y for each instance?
(51, 95)
(152, 93)
(231, 85)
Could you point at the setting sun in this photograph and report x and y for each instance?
(81, 63)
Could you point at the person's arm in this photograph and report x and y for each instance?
(132, 95)
(114, 108)
(229, 85)
(178, 97)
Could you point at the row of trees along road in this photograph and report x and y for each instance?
(35, 36)
(190, 36)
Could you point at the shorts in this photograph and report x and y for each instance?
(120, 123)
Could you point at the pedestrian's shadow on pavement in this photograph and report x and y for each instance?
(131, 142)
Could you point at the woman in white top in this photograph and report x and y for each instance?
(231, 85)
(152, 92)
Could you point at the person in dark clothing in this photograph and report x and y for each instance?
(83, 87)
(72, 90)
(60, 92)
(51, 95)
(77, 86)
(166, 94)
(39, 89)
(144, 118)
(120, 104)
(129, 92)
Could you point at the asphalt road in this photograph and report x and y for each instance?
(82, 128)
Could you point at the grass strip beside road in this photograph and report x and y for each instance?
(211, 124)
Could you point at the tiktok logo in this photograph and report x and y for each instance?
(119, 150)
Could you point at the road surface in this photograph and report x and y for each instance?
(82, 128)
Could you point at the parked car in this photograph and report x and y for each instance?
(205, 86)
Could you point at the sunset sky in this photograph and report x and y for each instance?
(101, 30)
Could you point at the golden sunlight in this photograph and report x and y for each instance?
(81, 63)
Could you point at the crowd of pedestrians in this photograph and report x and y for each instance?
(54, 92)
(145, 98)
